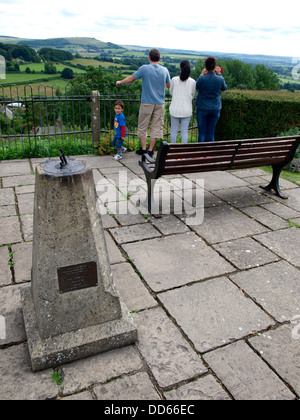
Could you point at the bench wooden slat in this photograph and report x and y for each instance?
(197, 161)
(230, 144)
(227, 153)
(220, 166)
(182, 152)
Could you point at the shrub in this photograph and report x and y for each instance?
(294, 166)
(255, 114)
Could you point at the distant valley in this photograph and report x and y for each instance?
(93, 46)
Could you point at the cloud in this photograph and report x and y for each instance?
(120, 22)
(67, 14)
(195, 27)
(237, 30)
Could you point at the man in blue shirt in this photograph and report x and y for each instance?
(155, 78)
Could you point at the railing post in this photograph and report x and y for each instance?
(95, 117)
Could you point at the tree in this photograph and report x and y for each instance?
(50, 68)
(67, 73)
(51, 54)
(266, 79)
(240, 75)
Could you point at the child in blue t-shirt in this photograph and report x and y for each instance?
(119, 129)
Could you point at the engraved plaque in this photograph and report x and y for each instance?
(78, 276)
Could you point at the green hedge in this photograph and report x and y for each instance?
(255, 114)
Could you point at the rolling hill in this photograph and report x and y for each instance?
(72, 44)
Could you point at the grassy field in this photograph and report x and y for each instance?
(12, 78)
(47, 88)
(39, 67)
(94, 63)
(21, 79)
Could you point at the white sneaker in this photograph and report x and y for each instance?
(124, 149)
(117, 157)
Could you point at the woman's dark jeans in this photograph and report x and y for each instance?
(207, 121)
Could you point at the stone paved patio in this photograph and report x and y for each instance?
(216, 304)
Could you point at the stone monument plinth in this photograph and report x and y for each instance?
(71, 310)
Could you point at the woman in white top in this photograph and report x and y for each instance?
(183, 91)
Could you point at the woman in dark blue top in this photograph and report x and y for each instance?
(209, 85)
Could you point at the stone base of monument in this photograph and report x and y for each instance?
(68, 347)
(72, 309)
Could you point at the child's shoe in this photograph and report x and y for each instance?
(124, 150)
(117, 157)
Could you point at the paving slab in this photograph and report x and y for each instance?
(25, 203)
(281, 351)
(265, 217)
(25, 189)
(10, 230)
(14, 181)
(98, 369)
(214, 313)
(136, 387)
(17, 382)
(217, 180)
(246, 375)
(8, 211)
(243, 197)
(225, 223)
(181, 259)
(294, 199)
(5, 272)
(204, 389)
(245, 253)
(7, 196)
(251, 172)
(27, 226)
(275, 287)
(11, 310)
(169, 225)
(22, 259)
(13, 168)
(168, 354)
(282, 210)
(133, 292)
(134, 233)
(285, 243)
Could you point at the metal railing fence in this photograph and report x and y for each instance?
(38, 122)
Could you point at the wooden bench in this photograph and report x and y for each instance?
(220, 156)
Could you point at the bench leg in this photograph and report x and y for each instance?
(274, 184)
(151, 205)
(150, 194)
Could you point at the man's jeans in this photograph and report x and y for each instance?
(207, 121)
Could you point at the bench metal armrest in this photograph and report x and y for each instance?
(148, 158)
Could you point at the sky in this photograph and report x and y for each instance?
(252, 27)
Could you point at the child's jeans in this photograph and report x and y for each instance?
(118, 143)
